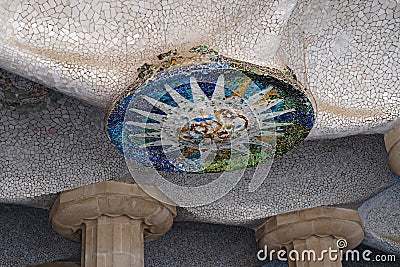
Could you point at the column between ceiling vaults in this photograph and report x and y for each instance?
(392, 143)
(315, 231)
(112, 220)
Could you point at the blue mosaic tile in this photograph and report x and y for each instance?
(209, 118)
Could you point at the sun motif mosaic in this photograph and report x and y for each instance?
(209, 117)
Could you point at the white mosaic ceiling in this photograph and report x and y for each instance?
(346, 53)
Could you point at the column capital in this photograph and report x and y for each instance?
(392, 143)
(111, 199)
(311, 229)
(282, 229)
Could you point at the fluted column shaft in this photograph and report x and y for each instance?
(311, 245)
(108, 241)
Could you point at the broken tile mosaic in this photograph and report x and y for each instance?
(209, 118)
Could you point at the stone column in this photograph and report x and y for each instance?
(392, 143)
(112, 220)
(305, 232)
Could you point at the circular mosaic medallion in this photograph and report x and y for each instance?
(209, 118)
